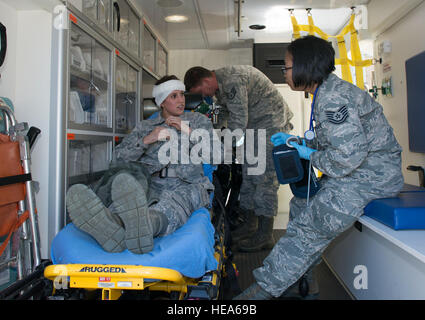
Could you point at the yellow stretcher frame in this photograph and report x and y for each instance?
(114, 280)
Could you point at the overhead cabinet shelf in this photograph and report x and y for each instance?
(90, 87)
(121, 24)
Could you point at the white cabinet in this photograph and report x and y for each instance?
(99, 11)
(162, 61)
(87, 157)
(97, 92)
(375, 262)
(90, 106)
(149, 49)
(126, 88)
(126, 26)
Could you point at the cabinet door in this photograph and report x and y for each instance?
(97, 10)
(90, 9)
(90, 106)
(162, 61)
(149, 49)
(126, 26)
(121, 22)
(133, 33)
(101, 71)
(88, 158)
(104, 14)
(125, 96)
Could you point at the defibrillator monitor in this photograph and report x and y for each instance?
(287, 164)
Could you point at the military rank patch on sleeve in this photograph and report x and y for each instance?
(337, 117)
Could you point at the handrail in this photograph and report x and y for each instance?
(10, 116)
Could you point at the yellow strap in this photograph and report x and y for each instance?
(348, 27)
(295, 27)
(314, 29)
(355, 52)
(345, 68)
(311, 26)
(345, 63)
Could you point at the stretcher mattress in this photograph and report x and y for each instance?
(406, 211)
(189, 250)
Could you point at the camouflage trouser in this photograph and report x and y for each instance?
(259, 192)
(310, 230)
(177, 200)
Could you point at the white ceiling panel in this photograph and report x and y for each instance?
(211, 23)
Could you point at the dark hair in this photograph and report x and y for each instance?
(313, 61)
(166, 78)
(194, 76)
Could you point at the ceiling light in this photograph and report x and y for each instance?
(169, 3)
(176, 18)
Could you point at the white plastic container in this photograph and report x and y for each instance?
(77, 59)
(76, 113)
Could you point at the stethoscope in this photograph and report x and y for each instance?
(309, 135)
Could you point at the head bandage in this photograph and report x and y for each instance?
(161, 91)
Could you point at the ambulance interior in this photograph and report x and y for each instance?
(372, 260)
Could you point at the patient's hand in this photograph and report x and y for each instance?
(177, 123)
(157, 134)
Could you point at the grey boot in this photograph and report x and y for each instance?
(88, 213)
(306, 288)
(159, 222)
(247, 228)
(254, 292)
(130, 203)
(262, 239)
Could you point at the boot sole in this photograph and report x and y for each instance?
(88, 213)
(238, 237)
(131, 204)
(266, 246)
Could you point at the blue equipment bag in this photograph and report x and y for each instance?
(293, 170)
(300, 188)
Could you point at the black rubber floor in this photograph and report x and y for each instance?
(330, 288)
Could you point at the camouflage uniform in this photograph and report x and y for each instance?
(251, 101)
(178, 196)
(361, 161)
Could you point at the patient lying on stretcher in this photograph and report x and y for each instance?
(140, 197)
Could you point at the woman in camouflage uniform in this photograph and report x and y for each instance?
(355, 149)
(132, 220)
